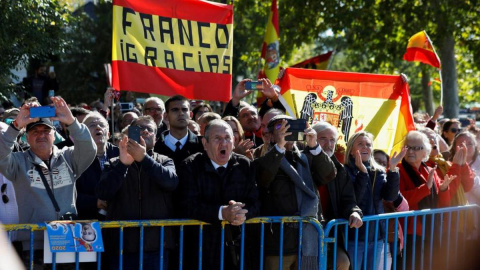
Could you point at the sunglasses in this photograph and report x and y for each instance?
(455, 130)
(5, 198)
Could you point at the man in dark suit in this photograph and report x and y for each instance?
(217, 185)
(88, 204)
(179, 142)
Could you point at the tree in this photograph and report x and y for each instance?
(30, 30)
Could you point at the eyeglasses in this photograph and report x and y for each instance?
(95, 124)
(455, 130)
(153, 110)
(147, 128)
(415, 148)
(5, 198)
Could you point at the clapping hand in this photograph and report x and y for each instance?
(395, 159)
(446, 181)
(431, 174)
(359, 163)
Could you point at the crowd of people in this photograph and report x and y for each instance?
(195, 163)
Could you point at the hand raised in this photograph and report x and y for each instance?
(395, 159)
(63, 113)
(310, 137)
(359, 163)
(446, 181)
(137, 150)
(125, 157)
(431, 174)
(23, 117)
(239, 92)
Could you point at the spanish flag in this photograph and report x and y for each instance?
(173, 47)
(317, 62)
(379, 104)
(271, 47)
(420, 49)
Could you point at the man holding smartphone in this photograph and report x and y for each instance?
(288, 181)
(138, 185)
(44, 167)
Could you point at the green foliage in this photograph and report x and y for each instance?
(31, 29)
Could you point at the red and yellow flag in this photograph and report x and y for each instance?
(317, 62)
(171, 47)
(420, 49)
(271, 46)
(379, 104)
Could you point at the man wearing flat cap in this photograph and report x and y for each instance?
(288, 180)
(44, 164)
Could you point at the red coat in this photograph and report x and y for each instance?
(414, 194)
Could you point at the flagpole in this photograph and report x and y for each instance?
(439, 70)
(441, 86)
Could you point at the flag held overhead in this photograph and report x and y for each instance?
(420, 49)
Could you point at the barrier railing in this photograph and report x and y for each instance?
(446, 222)
(181, 223)
(443, 224)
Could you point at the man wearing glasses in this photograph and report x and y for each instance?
(88, 205)
(138, 185)
(155, 108)
(44, 168)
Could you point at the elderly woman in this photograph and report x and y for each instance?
(241, 146)
(468, 140)
(461, 177)
(423, 188)
(465, 145)
(372, 184)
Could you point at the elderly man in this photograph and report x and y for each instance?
(44, 176)
(218, 185)
(248, 116)
(154, 107)
(288, 181)
(88, 205)
(338, 196)
(138, 185)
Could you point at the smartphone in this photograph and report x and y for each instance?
(51, 93)
(134, 133)
(126, 106)
(42, 112)
(51, 69)
(297, 127)
(253, 85)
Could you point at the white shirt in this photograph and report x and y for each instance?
(170, 141)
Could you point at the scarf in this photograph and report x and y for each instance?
(430, 201)
(307, 201)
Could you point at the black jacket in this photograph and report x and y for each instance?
(278, 196)
(192, 146)
(86, 183)
(342, 194)
(139, 191)
(204, 190)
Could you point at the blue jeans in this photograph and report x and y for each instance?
(371, 249)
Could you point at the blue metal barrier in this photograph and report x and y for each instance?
(451, 219)
(441, 215)
(181, 223)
